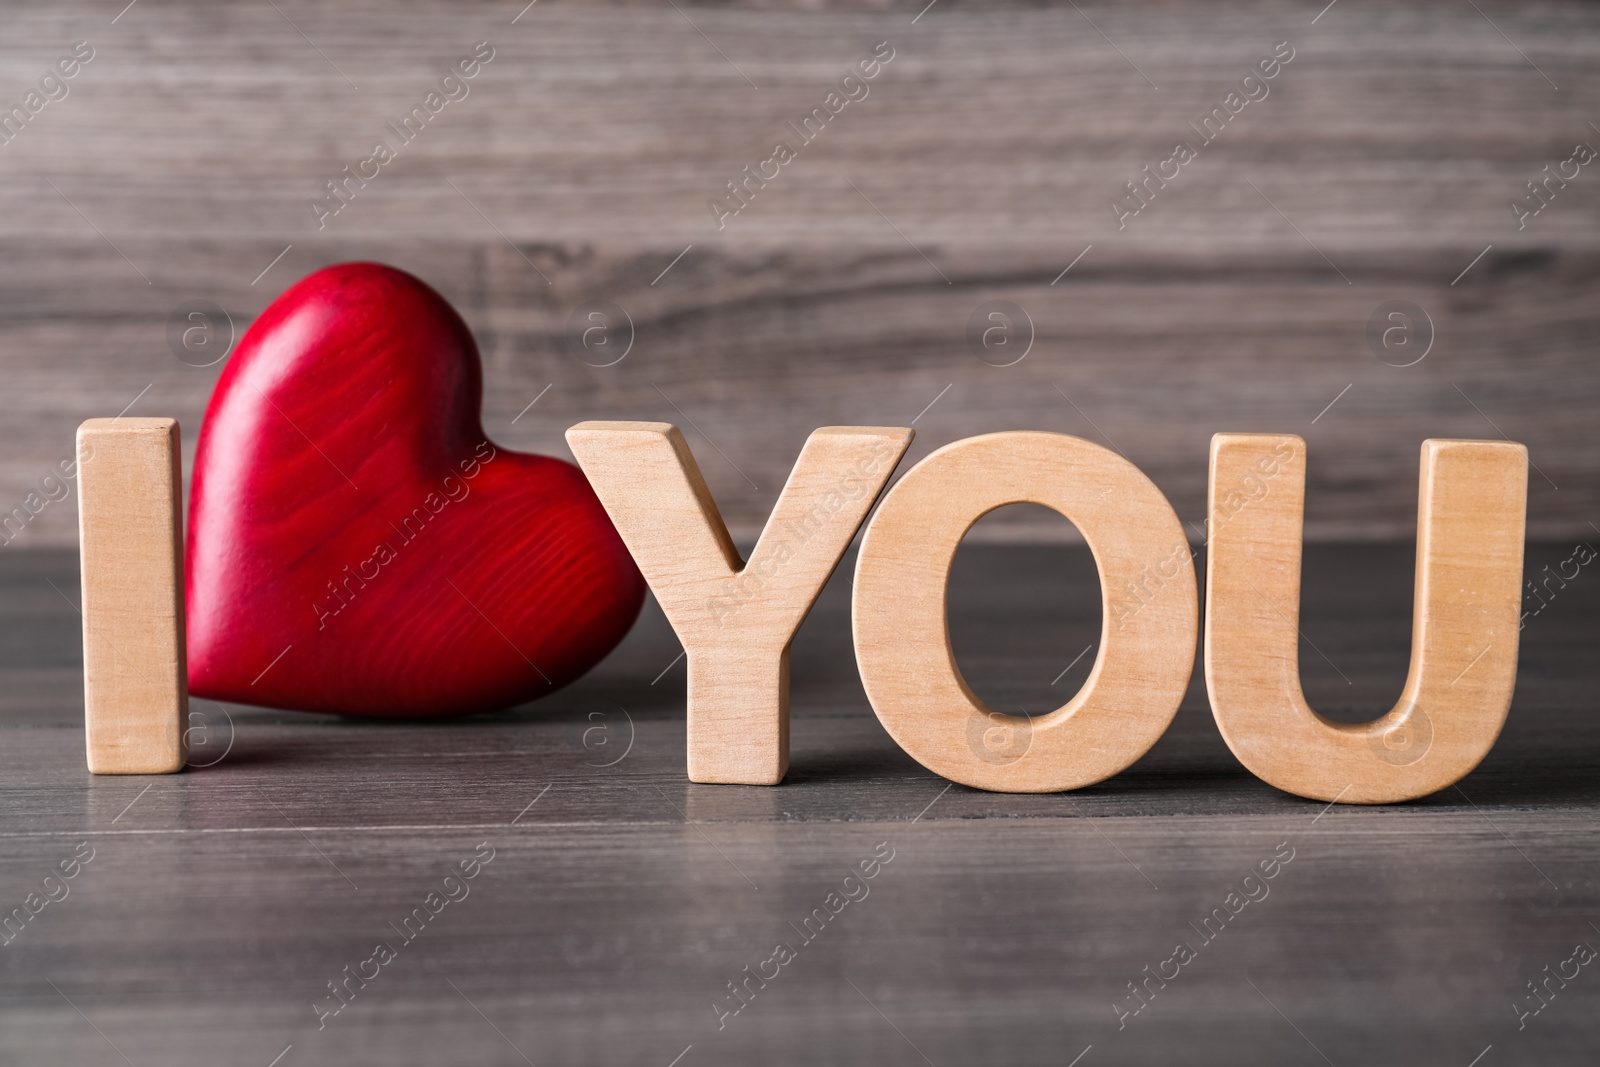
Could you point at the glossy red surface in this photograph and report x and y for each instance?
(357, 544)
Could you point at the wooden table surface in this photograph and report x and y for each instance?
(621, 900)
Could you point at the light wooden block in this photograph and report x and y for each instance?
(1470, 516)
(1147, 639)
(130, 527)
(735, 619)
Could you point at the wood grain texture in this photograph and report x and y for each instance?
(902, 634)
(993, 142)
(735, 618)
(1472, 501)
(611, 918)
(130, 511)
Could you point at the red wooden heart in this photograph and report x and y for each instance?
(356, 544)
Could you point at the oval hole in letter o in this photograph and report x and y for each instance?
(1147, 637)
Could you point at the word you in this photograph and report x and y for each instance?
(1540, 191)
(455, 891)
(1252, 89)
(1582, 555)
(741, 991)
(54, 486)
(852, 87)
(1471, 506)
(744, 587)
(1582, 954)
(55, 890)
(409, 529)
(52, 86)
(341, 191)
(1251, 890)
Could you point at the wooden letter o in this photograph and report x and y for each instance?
(1147, 637)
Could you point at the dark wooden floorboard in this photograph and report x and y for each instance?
(220, 902)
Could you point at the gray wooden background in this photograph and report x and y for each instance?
(978, 167)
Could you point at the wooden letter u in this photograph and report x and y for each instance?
(1470, 515)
